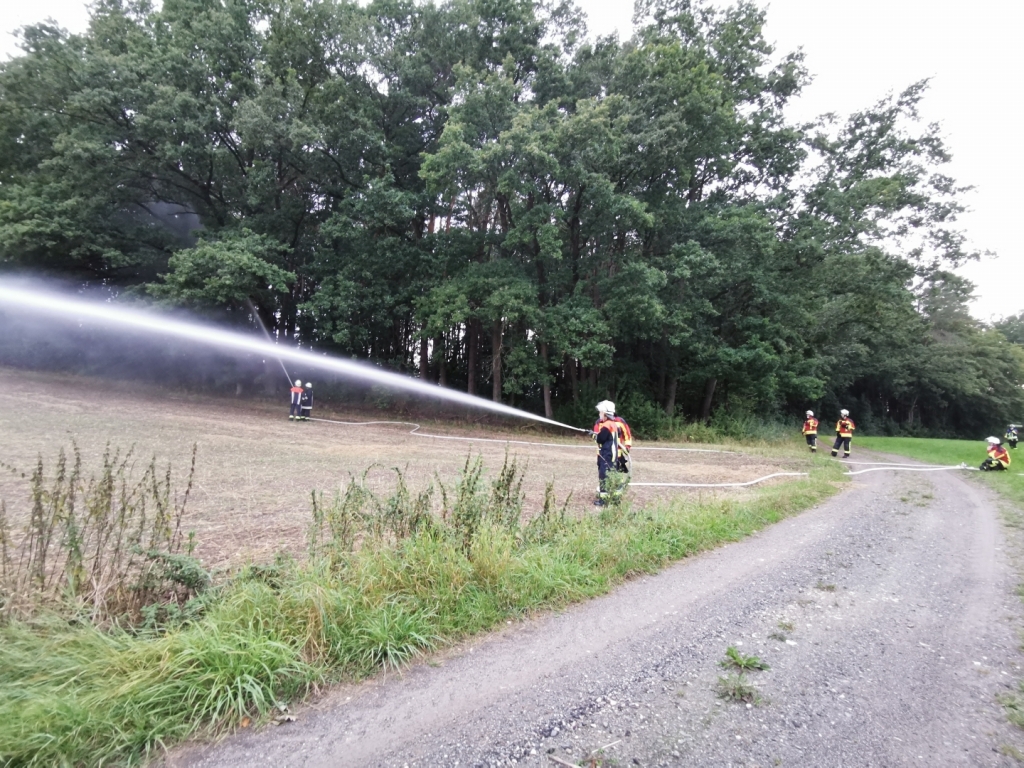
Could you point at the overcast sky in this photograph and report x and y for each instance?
(858, 52)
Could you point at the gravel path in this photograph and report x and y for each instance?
(887, 616)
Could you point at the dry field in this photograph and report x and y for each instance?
(256, 469)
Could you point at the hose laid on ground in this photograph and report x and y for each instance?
(876, 466)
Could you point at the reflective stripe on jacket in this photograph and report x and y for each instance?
(811, 427)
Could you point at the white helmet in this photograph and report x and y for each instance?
(298, 383)
(993, 441)
(810, 414)
(606, 406)
(844, 412)
(309, 385)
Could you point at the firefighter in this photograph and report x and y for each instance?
(998, 457)
(1011, 435)
(811, 431)
(612, 435)
(306, 401)
(844, 433)
(296, 409)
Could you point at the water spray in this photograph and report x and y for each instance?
(16, 296)
(259, 321)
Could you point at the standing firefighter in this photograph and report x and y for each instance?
(811, 431)
(296, 409)
(614, 440)
(844, 433)
(998, 457)
(306, 401)
(1011, 434)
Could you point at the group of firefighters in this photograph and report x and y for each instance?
(615, 439)
(998, 457)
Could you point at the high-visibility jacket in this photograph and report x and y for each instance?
(1011, 433)
(296, 395)
(999, 454)
(625, 436)
(811, 427)
(621, 437)
(845, 427)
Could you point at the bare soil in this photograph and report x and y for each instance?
(256, 469)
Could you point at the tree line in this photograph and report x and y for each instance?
(477, 193)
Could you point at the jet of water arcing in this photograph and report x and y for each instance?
(12, 295)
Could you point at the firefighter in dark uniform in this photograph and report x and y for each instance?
(609, 433)
(306, 401)
(1011, 434)
(844, 433)
(296, 393)
(998, 457)
(811, 431)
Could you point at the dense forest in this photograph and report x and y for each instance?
(477, 193)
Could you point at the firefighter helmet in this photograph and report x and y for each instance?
(810, 414)
(993, 441)
(844, 412)
(298, 383)
(606, 406)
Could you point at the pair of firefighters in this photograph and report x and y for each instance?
(302, 401)
(614, 439)
(844, 433)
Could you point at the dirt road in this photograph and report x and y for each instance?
(887, 616)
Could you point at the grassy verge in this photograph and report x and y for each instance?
(386, 580)
(948, 452)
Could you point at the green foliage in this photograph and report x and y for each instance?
(473, 192)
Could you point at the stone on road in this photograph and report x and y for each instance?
(887, 615)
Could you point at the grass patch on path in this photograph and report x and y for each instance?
(950, 452)
(72, 693)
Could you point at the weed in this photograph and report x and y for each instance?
(104, 547)
(737, 660)
(825, 587)
(780, 636)
(736, 687)
(786, 626)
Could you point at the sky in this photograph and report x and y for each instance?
(858, 52)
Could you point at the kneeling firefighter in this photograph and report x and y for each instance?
(998, 457)
(614, 439)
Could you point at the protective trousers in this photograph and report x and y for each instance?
(843, 442)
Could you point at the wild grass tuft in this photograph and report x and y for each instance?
(736, 660)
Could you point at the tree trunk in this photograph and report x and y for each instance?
(440, 369)
(670, 400)
(472, 336)
(709, 393)
(424, 359)
(910, 413)
(496, 361)
(574, 379)
(546, 386)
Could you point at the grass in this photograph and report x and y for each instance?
(384, 582)
(736, 687)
